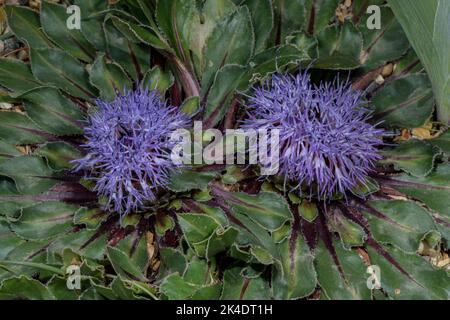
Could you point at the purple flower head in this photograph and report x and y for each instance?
(128, 148)
(326, 142)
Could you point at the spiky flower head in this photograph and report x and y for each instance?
(326, 142)
(128, 148)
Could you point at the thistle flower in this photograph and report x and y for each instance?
(128, 148)
(325, 139)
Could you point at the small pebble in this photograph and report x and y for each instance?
(379, 79)
(22, 55)
(11, 44)
(34, 4)
(5, 106)
(387, 70)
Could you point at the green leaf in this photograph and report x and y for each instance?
(163, 224)
(176, 288)
(123, 265)
(262, 248)
(261, 255)
(262, 20)
(130, 220)
(339, 47)
(174, 18)
(282, 233)
(251, 232)
(16, 76)
(58, 288)
(319, 13)
(9, 240)
(91, 294)
(270, 61)
(304, 42)
(140, 290)
(240, 254)
(54, 23)
(214, 212)
(122, 290)
(87, 243)
(294, 277)
(385, 44)
(211, 292)
(221, 241)
(222, 91)
(238, 287)
(350, 233)
(92, 22)
(409, 276)
(197, 272)
(91, 218)
(401, 223)
(25, 24)
(202, 195)
(8, 151)
(202, 25)
(31, 174)
(433, 190)
(32, 258)
(156, 78)
(133, 57)
(172, 261)
(36, 265)
(197, 227)
(426, 25)
(290, 16)
(341, 273)
(414, 156)
(59, 154)
(366, 188)
(138, 9)
(190, 105)
(58, 68)
(11, 200)
(197, 280)
(17, 128)
(308, 210)
(408, 64)
(148, 36)
(102, 293)
(147, 10)
(5, 98)
(186, 180)
(406, 102)
(44, 220)
(53, 112)
(231, 42)
(135, 247)
(268, 209)
(108, 78)
(443, 142)
(24, 288)
(233, 174)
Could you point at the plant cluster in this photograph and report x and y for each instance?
(86, 180)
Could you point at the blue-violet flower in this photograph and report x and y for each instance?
(326, 142)
(128, 148)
